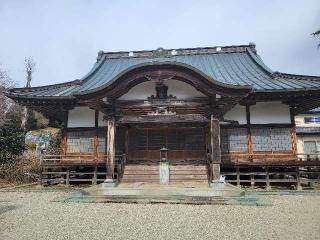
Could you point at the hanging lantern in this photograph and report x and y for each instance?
(163, 154)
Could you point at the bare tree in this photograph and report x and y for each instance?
(316, 34)
(6, 104)
(30, 65)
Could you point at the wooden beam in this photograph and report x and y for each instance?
(111, 148)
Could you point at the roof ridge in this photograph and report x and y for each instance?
(161, 52)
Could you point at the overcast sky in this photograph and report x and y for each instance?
(64, 36)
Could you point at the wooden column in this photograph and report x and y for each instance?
(63, 145)
(215, 148)
(293, 132)
(96, 130)
(110, 148)
(249, 135)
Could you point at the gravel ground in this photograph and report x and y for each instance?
(32, 215)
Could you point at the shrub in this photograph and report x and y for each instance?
(23, 169)
(11, 142)
(54, 144)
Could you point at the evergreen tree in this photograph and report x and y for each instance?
(11, 138)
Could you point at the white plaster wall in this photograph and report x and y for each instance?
(238, 113)
(269, 112)
(81, 117)
(101, 122)
(177, 88)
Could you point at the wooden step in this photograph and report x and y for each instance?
(140, 167)
(184, 171)
(200, 177)
(141, 178)
(197, 171)
(188, 167)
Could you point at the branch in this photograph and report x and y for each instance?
(29, 64)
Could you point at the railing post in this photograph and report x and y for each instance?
(252, 181)
(298, 179)
(94, 179)
(238, 176)
(41, 156)
(68, 177)
(268, 187)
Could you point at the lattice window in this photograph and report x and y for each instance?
(173, 139)
(233, 140)
(271, 139)
(80, 141)
(102, 141)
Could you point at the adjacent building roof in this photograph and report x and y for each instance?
(232, 65)
(308, 130)
(314, 111)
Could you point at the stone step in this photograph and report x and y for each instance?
(165, 194)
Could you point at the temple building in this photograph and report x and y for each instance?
(201, 109)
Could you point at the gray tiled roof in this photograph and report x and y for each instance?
(239, 66)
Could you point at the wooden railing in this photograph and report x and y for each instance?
(307, 173)
(47, 158)
(258, 157)
(69, 168)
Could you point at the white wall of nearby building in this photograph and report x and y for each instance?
(269, 112)
(311, 120)
(301, 120)
(176, 88)
(302, 140)
(81, 117)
